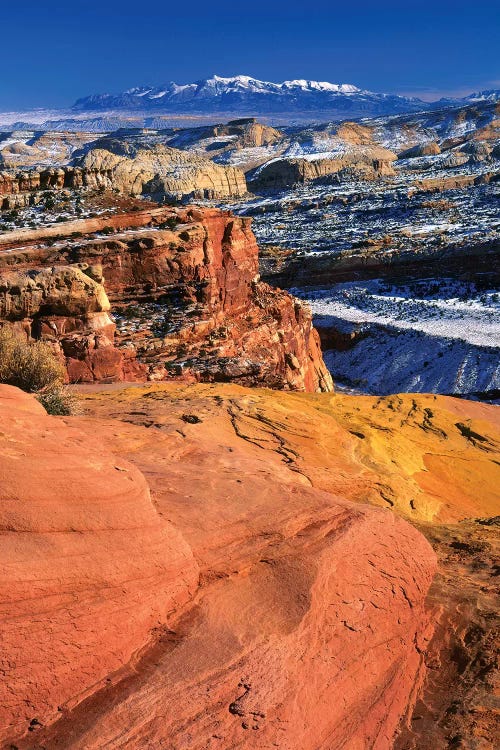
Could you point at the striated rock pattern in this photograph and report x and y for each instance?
(167, 172)
(160, 173)
(444, 453)
(19, 189)
(216, 319)
(307, 628)
(429, 458)
(88, 566)
(365, 162)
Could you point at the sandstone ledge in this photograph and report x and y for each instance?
(308, 625)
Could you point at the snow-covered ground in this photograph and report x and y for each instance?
(454, 310)
(433, 335)
(319, 218)
(396, 361)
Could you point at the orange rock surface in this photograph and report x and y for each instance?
(88, 567)
(430, 458)
(248, 602)
(307, 627)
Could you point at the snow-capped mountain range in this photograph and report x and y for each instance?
(249, 95)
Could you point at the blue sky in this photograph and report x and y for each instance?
(57, 50)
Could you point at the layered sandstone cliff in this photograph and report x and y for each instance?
(359, 161)
(161, 172)
(25, 188)
(213, 318)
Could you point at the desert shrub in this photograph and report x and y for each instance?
(170, 223)
(29, 365)
(33, 367)
(49, 201)
(58, 400)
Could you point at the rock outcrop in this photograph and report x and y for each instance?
(372, 259)
(393, 451)
(25, 188)
(66, 306)
(425, 149)
(162, 172)
(213, 318)
(362, 162)
(212, 140)
(302, 621)
(436, 458)
(249, 132)
(89, 568)
(159, 172)
(63, 290)
(308, 624)
(21, 149)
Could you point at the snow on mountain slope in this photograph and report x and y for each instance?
(246, 94)
(491, 95)
(475, 119)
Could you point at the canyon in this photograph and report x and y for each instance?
(218, 547)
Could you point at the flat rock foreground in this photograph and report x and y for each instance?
(205, 566)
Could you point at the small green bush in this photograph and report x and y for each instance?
(58, 401)
(29, 365)
(33, 367)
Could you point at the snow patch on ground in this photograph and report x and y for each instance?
(437, 336)
(452, 312)
(318, 149)
(395, 361)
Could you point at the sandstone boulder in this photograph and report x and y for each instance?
(88, 566)
(423, 149)
(63, 291)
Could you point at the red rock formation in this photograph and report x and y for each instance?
(68, 307)
(202, 265)
(28, 239)
(306, 630)
(88, 566)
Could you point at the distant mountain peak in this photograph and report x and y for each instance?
(247, 95)
(490, 95)
(244, 95)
